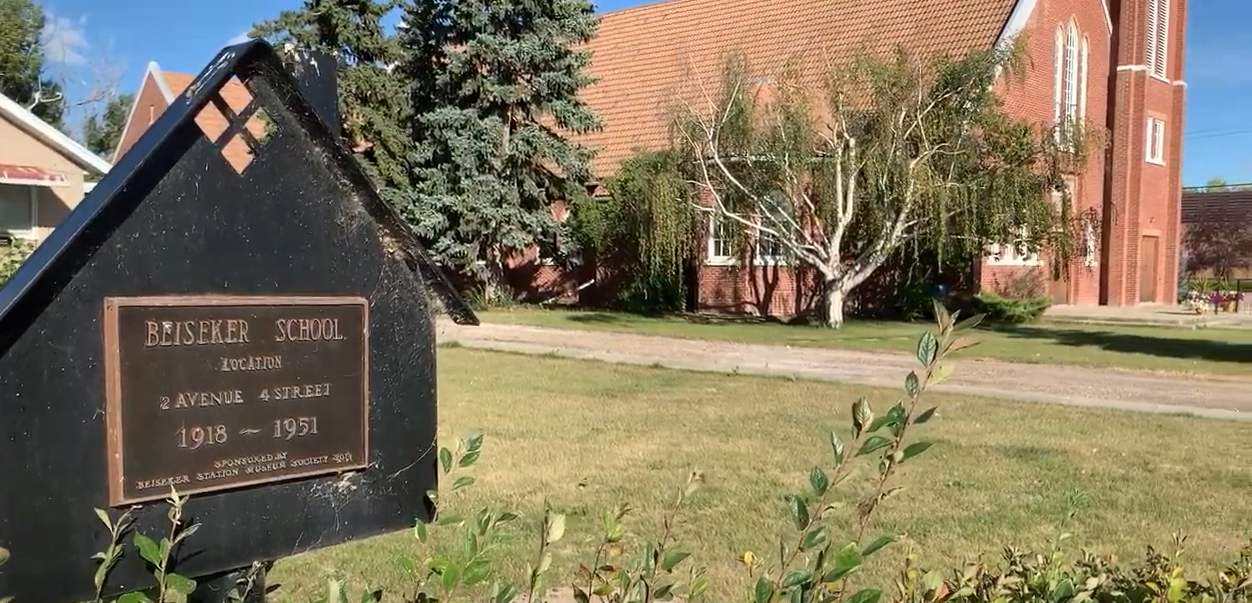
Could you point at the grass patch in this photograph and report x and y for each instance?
(588, 435)
(1171, 349)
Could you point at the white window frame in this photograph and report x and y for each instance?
(714, 240)
(1069, 86)
(1083, 76)
(1156, 50)
(777, 259)
(1013, 253)
(30, 233)
(1154, 138)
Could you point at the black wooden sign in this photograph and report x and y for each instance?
(234, 313)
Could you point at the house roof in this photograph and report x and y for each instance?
(1228, 205)
(211, 120)
(648, 57)
(52, 137)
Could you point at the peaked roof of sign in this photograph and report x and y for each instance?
(63, 248)
(170, 85)
(648, 57)
(54, 138)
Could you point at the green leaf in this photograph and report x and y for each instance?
(877, 545)
(873, 444)
(419, 530)
(1177, 589)
(819, 481)
(148, 549)
(135, 597)
(941, 374)
(795, 578)
(926, 415)
(799, 511)
(462, 482)
(969, 323)
(449, 519)
(814, 539)
(915, 449)
(450, 577)
(764, 591)
(836, 446)
(556, 528)
(104, 519)
(1064, 590)
(407, 564)
(862, 417)
(180, 584)
(469, 459)
(895, 416)
(476, 571)
(664, 592)
(445, 459)
(503, 593)
(335, 592)
(927, 347)
(869, 595)
(847, 562)
(672, 559)
(932, 581)
(912, 386)
(474, 443)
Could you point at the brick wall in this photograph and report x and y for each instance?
(1031, 95)
(1144, 198)
(149, 105)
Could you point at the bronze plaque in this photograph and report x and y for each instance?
(212, 393)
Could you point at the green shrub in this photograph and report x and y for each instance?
(12, 258)
(1011, 310)
(819, 558)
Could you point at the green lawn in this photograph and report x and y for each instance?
(1173, 349)
(588, 435)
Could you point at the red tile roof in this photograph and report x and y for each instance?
(648, 57)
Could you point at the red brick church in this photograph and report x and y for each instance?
(1116, 64)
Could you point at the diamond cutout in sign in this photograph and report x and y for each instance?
(235, 124)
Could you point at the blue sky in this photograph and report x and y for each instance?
(94, 45)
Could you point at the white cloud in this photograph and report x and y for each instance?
(64, 40)
(238, 39)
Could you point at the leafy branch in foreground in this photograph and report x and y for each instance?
(817, 565)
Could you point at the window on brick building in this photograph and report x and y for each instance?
(721, 245)
(1089, 240)
(1155, 141)
(1157, 37)
(774, 210)
(1069, 86)
(1013, 253)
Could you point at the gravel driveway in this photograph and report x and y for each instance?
(1215, 397)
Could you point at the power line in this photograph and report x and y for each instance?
(1218, 134)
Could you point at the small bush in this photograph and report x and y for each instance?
(1009, 310)
(12, 258)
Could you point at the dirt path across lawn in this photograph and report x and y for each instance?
(1215, 397)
